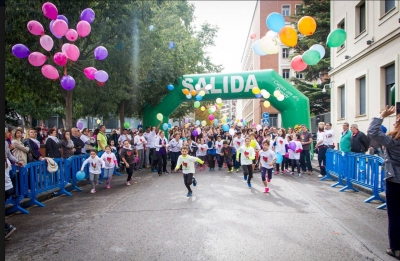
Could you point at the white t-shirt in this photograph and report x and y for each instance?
(151, 138)
(109, 159)
(322, 136)
(124, 137)
(85, 140)
(266, 158)
(175, 146)
(218, 146)
(187, 164)
(280, 145)
(294, 154)
(95, 165)
(330, 135)
(202, 150)
(248, 154)
(8, 183)
(238, 142)
(139, 141)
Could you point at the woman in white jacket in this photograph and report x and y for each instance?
(19, 151)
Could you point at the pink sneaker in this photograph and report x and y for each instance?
(128, 183)
(108, 186)
(266, 190)
(268, 180)
(93, 191)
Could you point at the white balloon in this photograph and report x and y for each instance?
(258, 127)
(232, 132)
(319, 48)
(269, 45)
(189, 96)
(281, 98)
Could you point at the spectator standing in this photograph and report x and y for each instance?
(76, 139)
(322, 146)
(359, 141)
(345, 139)
(67, 146)
(19, 151)
(391, 142)
(53, 145)
(101, 140)
(306, 141)
(33, 145)
(330, 135)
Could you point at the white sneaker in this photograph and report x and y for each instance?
(93, 191)
(320, 176)
(299, 175)
(291, 173)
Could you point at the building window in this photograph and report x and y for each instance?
(360, 16)
(298, 9)
(285, 52)
(342, 26)
(286, 73)
(342, 95)
(363, 96)
(299, 75)
(285, 10)
(389, 4)
(389, 85)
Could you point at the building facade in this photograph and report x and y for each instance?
(365, 69)
(252, 109)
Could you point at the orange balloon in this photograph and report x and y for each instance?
(193, 92)
(288, 36)
(307, 25)
(185, 91)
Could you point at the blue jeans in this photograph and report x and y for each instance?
(220, 160)
(236, 163)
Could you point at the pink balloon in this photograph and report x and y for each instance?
(253, 36)
(50, 72)
(60, 59)
(71, 35)
(298, 64)
(35, 28)
(210, 117)
(64, 48)
(83, 28)
(73, 52)
(89, 72)
(46, 42)
(50, 10)
(37, 59)
(60, 27)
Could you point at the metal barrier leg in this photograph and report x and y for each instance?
(374, 197)
(17, 207)
(34, 201)
(349, 186)
(327, 176)
(383, 206)
(339, 183)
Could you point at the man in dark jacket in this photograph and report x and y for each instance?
(359, 141)
(78, 143)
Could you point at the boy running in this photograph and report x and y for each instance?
(267, 159)
(188, 168)
(246, 160)
(227, 153)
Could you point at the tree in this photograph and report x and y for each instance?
(320, 11)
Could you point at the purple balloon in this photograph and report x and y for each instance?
(67, 82)
(79, 125)
(292, 145)
(20, 51)
(194, 133)
(88, 15)
(62, 17)
(186, 120)
(51, 29)
(100, 53)
(101, 76)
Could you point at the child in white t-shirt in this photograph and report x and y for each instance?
(246, 160)
(294, 155)
(94, 168)
(267, 159)
(188, 168)
(110, 162)
(202, 152)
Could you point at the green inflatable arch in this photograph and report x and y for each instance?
(294, 108)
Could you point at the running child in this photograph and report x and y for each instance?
(188, 168)
(267, 159)
(128, 157)
(94, 169)
(281, 146)
(218, 146)
(227, 153)
(256, 147)
(294, 155)
(110, 162)
(201, 152)
(238, 141)
(246, 160)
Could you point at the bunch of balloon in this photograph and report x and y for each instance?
(69, 53)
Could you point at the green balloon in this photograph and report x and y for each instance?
(244, 123)
(209, 111)
(336, 38)
(127, 125)
(196, 104)
(311, 57)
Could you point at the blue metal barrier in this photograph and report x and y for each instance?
(20, 189)
(357, 168)
(73, 165)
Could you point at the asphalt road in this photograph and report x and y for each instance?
(300, 219)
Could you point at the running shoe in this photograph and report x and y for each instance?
(249, 184)
(245, 177)
(108, 186)
(128, 183)
(189, 194)
(9, 231)
(93, 191)
(299, 175)
(266, 190)
(268, 180)
(194, 182)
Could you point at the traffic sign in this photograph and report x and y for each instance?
(265, 122)
(265, 115)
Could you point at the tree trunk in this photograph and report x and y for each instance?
(121, 109)
(63, 121)
(68, 109)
